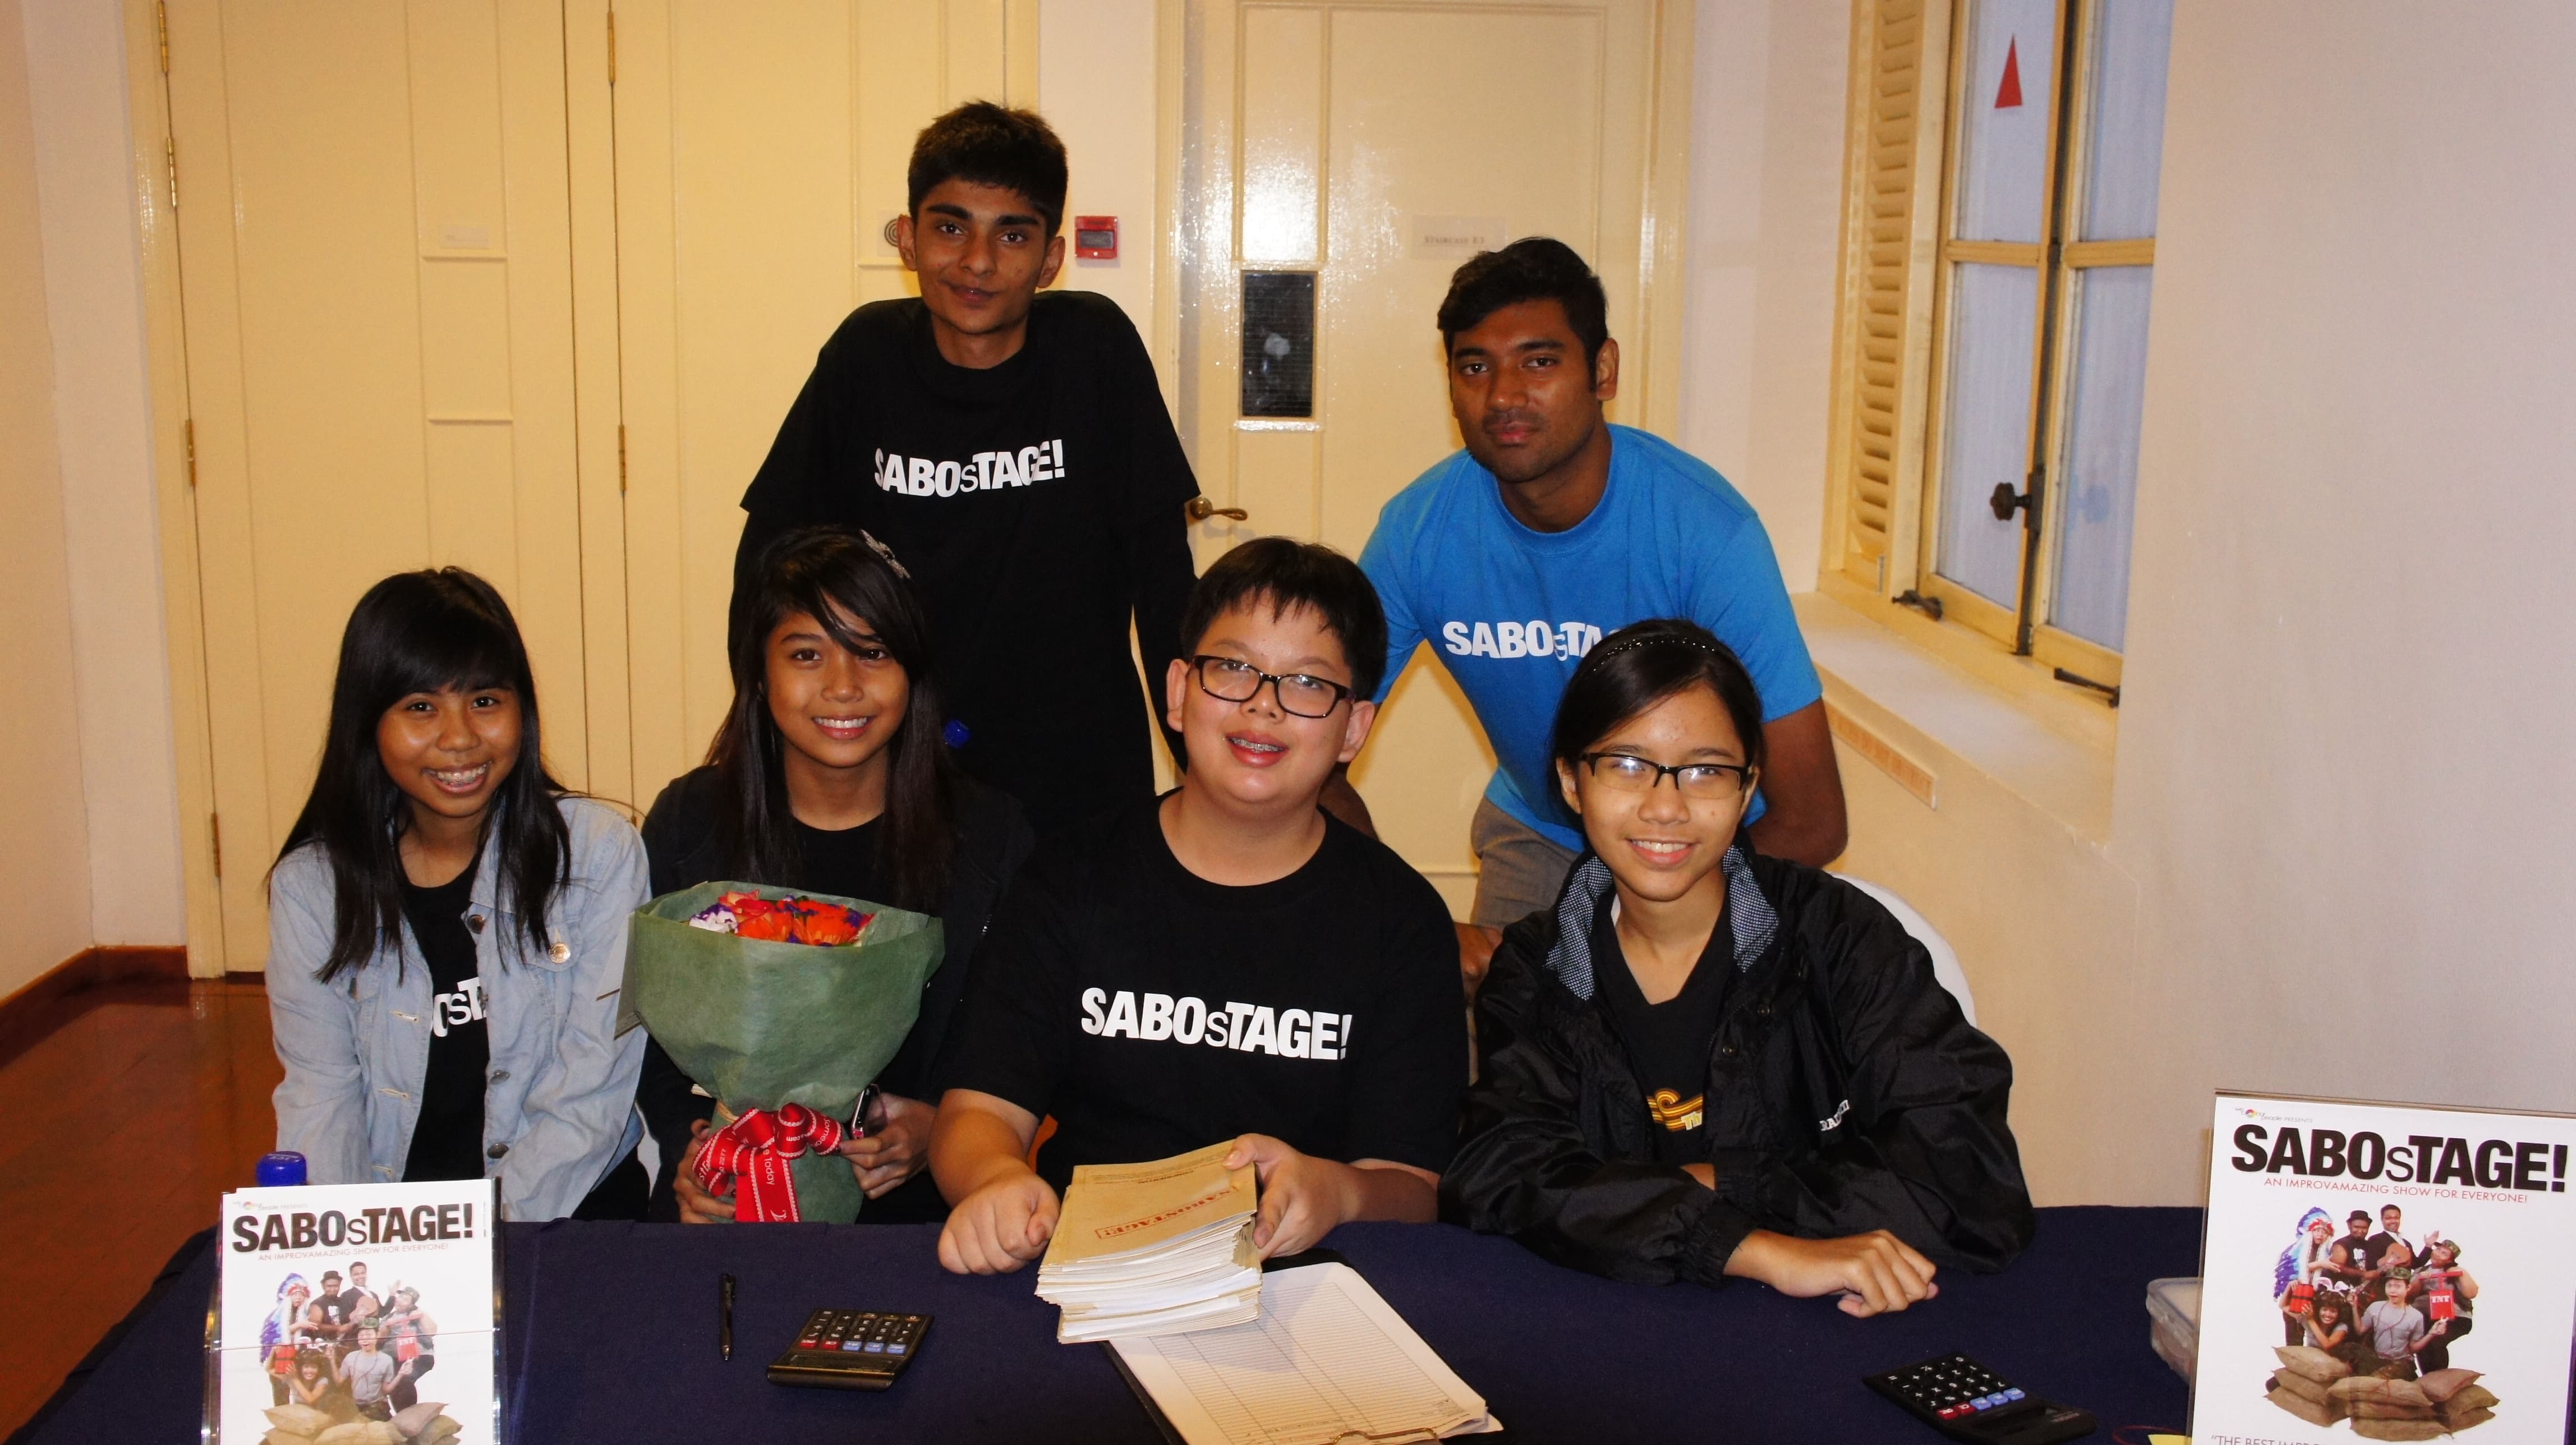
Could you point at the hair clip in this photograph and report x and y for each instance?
(1636, 642)
(882, 550)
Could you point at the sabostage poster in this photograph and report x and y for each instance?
(2385, 1272)
(357, 1314)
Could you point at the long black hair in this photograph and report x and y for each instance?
(421, 632)
(834, 576)
(1640, 665)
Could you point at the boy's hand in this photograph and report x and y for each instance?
(1302, 1197)
(1875, 1273)
(697, 1206)
(999, 1227)
(1476, 945)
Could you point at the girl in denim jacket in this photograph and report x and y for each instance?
(447, 927)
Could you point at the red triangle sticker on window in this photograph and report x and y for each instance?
(2008, 94)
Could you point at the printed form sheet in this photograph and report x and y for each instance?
(1328, 1358)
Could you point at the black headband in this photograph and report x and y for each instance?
(1660, 638)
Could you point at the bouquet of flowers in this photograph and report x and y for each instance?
(783, 920)
(784, 1006)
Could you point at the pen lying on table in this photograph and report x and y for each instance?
(724, 1315)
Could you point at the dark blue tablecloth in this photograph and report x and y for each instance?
(611, 1333)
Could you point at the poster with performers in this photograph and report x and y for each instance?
(356, 1314)
(2384, 1272)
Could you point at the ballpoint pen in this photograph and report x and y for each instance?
(724, 1315)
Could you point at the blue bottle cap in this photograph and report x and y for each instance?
(284, 1167)
(956, 733)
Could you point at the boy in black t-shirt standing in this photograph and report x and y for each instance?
(1014, 450)
(1226, 961)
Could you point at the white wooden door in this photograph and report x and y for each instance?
(760, 153)
(376, 266)
(1376, 146)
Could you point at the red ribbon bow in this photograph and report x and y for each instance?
(756, 1150)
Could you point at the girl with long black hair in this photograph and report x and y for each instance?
(447, 926)
(1705, 1063)
(830, 775)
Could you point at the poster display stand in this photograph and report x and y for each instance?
(357, 1314)
(2384, 1272)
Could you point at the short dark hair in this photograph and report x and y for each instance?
(1534, 268)
(991, 145)
(1290, 574)
(1642, 664)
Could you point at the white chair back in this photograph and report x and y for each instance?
(1945, 959)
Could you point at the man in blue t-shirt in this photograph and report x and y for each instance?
(1553, 527)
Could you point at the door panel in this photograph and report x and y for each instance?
(1381, 145)
(375, 276)
(760, 152)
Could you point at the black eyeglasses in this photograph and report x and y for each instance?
(1300, 694)
(1708, 782)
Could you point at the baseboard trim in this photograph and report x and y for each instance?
(37, 1009)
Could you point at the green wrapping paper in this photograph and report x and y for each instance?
(761, 1024)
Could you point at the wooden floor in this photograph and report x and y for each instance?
(124, 1125)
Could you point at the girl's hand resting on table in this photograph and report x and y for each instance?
(896, 1152)
(1875, 1273)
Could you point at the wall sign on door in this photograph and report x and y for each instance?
(1278, 343)
(1458, 237)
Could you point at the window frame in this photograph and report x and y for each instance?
(1907, 570)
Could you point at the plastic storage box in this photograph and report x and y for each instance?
(2173, 1312)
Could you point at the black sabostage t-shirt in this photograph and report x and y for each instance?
(1153, 1012)
(1037, 505)
(447, 1143)
(1668, 1042)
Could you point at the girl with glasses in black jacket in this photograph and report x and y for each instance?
(1705, 1063)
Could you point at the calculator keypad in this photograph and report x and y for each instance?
(862, 1333)
(1954, 1388)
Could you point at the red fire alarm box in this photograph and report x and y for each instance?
(1095, 238)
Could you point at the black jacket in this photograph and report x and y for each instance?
(1846, 1093)
(683, 849)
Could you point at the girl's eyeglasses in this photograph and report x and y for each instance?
(1706, 782)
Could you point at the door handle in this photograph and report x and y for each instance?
(1199, 509)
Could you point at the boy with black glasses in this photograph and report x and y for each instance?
(1225, 962)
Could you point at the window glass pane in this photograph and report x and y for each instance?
(2130, 40)
(1985, 429)
(2095, 504)
(1278, 343)
(2003, 117)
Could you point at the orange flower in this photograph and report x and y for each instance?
(795, 920)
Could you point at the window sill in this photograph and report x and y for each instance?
(1919, 698)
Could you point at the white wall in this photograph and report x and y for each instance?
(1096, 87)
(2345, 779)
(2348, 760)
(43, 828)
(93, 282)
(1766, 164)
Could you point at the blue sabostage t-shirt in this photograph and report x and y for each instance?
(1510, 611)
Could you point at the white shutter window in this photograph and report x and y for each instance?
(1893, 181)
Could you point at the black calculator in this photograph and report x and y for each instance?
(850, 1350)
(1966, 1401)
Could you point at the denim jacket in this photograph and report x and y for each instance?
(559, 1093)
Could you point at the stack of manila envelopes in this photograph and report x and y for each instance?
(1154, 1248)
